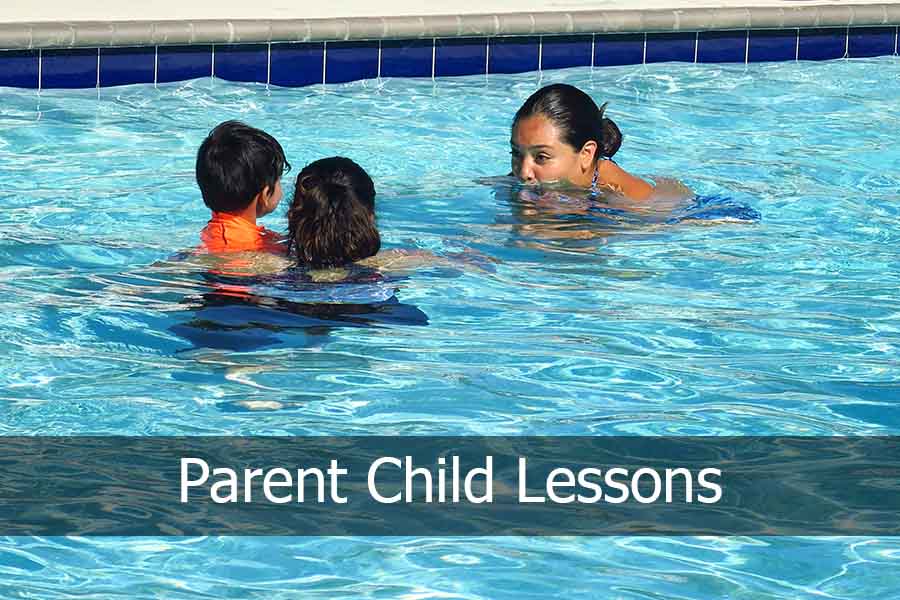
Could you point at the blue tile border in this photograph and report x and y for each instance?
(69, 68)
(179, 63)
(823, 44)
(242, 62)
(671, 47)
(20, 68)
(565, 51)
(351, 61)
(297, 64)
(722, 46)
(773, 45)
(294, 64)
(124, 66)
(619, 49)
(407, 58)
(872, 41)
(514, 54)
(460, 56)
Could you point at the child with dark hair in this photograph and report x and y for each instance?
(239, 171)
(331, 221)
(331, 224)
(560, 135)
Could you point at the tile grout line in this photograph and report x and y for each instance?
(593, 47)
(540, 54)
(847, 43)
(747, 49)
(269, 65)
(324, 60)
(696, 47)
(40, 69)
(433, 57)
(896, 36)
(98, 68)
(487, 55)
(212, 61)
(155, 65)
(644, 58)
(797, 49)
(378, 76)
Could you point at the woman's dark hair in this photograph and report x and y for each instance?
(331, 221)
(576, 116)
(235, 163)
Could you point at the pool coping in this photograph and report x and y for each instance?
(96, 34)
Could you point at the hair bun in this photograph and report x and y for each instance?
(610, 135)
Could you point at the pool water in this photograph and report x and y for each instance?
(555, 323)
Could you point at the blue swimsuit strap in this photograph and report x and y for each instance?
(595, 180)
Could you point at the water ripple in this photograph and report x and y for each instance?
(787, 326)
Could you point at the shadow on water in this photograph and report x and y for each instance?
(253, 313)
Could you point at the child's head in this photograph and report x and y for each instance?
(331, 221)
(560, 134)
(237, 166)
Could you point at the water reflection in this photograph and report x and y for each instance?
(558, 218)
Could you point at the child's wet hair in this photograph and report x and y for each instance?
(235, 163)
(576, 116)
(331, 221)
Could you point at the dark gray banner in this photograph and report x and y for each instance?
(450, 486)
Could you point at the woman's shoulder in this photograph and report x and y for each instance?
(619, 180)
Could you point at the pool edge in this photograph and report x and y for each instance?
(93, 34)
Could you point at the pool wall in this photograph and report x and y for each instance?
(301, 51)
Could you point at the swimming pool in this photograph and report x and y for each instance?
(786, 326)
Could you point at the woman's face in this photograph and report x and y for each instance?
(539, 155)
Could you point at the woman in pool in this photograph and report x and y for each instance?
(560, 136)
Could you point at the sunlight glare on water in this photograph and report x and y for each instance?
(785, 326)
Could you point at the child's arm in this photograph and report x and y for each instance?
(399, 259)
(624, 182)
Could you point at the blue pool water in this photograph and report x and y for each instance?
(560, 325)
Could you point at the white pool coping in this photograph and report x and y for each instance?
(166, 22)
(193, 10)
